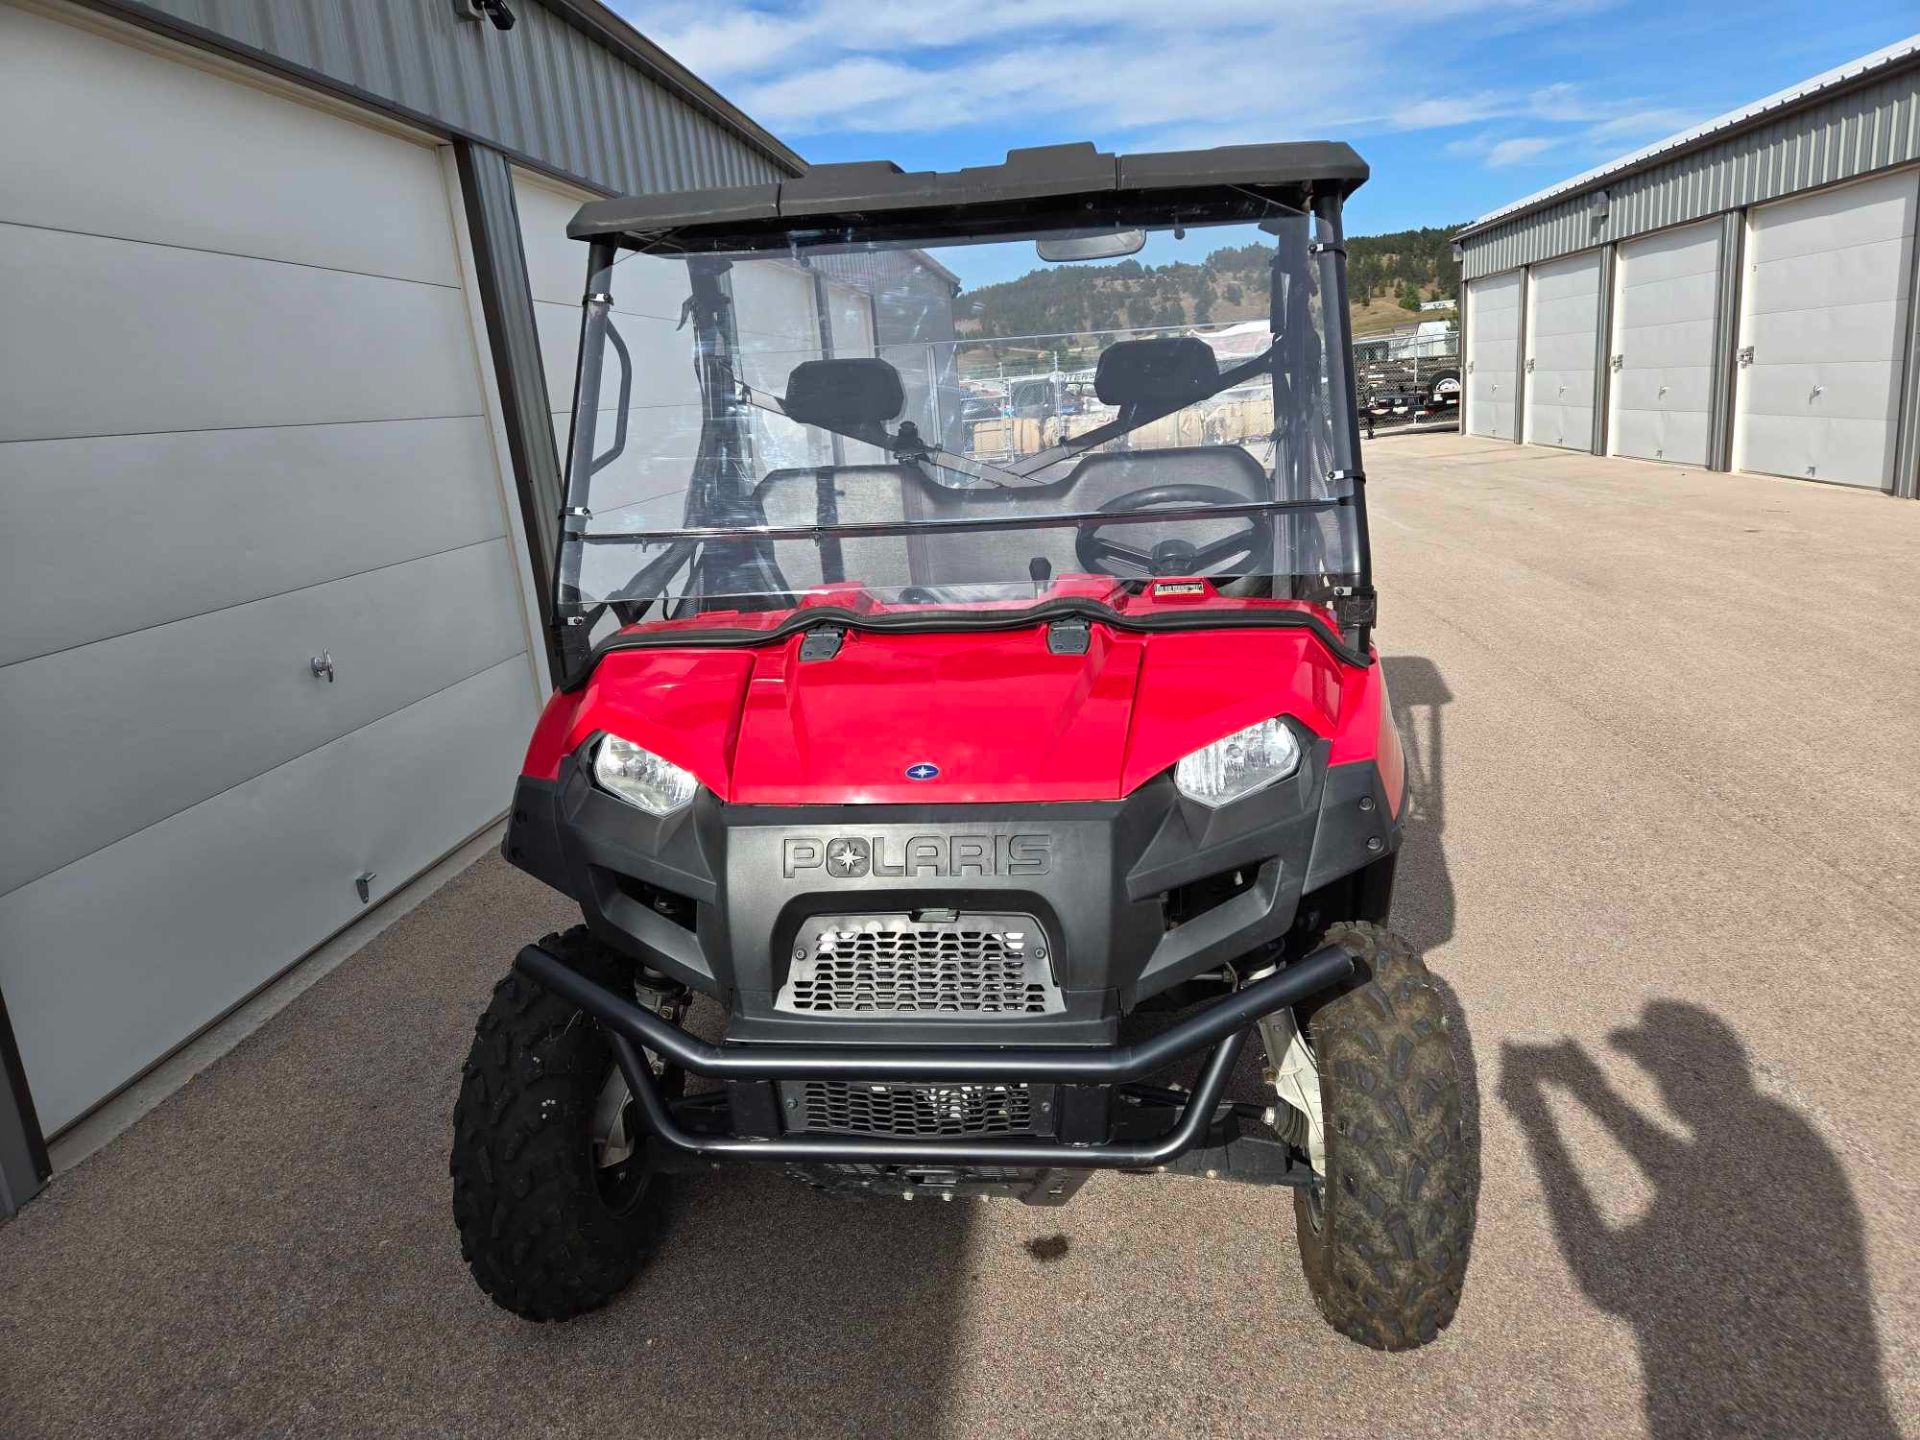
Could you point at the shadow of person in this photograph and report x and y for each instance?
(1423, 904)
(1746, 1280)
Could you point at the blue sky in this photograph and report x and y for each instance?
(1459, 105)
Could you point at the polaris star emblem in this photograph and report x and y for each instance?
(923, 771)
(848, 858)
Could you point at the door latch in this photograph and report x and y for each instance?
(1745, 356)
(1529, 365)
(1619, 362)
(322, 666)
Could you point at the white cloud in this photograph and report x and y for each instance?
(741, 43)
(1498, 152)
(1142, 73)
(1130, 66)
(1647, 124)
(1518, 150)
(1445, 112)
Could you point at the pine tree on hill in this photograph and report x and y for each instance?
(1230, 284)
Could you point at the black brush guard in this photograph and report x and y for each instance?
(1222, 1025)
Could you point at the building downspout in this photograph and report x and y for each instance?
(1726, 341)
(1603, 350)
(513, 340)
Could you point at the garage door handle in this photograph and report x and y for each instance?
(322, 666)
(1746, 355)
(1618, 362)
(1818, 391)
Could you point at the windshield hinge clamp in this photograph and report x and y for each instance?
(1358, 477)
(822, 643)
(1326, 247)
(1069, 637)
(1355, 606)
(596, 297)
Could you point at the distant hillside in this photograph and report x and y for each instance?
(1384, 272)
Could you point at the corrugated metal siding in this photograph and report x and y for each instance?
(1842, 138)
(543, 91)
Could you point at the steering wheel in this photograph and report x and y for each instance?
(1249, 547)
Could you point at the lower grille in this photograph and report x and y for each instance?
(899, 965)
(914, 1112)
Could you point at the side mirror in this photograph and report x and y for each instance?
(1091, 245)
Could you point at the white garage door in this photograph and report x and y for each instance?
(1493, 348)
(1563, 334)
(850, 322)
(1823, 323)
(650, 480)
(1665, 288)
(243, 425)
(777, 320)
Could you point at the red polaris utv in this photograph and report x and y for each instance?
(995, 803)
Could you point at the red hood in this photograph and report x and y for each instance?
(1001, 717)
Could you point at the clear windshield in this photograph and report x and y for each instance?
(961, 424)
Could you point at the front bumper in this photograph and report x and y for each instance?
(749, 1069)
(1132, 898)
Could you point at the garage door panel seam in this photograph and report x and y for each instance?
(228, 254)
(216, 429)
(253, 600)
(515, 658)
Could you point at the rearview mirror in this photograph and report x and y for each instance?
(1091, 245)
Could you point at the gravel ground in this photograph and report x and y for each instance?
(1665, 855)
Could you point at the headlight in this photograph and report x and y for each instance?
(1240, 764)
(642, 778)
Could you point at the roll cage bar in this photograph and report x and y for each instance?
(1059, 186)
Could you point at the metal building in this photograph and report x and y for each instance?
(1738, 297)
(287, 324)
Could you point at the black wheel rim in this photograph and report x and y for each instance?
(623, 1187)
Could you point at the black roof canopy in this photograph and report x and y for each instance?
(1054, 186)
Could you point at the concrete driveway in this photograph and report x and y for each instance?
(1666, 855)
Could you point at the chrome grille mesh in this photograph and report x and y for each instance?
(896, 965)
(909, 1112)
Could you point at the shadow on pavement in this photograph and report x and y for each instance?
(820, 1312)
(1746, 1280)
(1423, 900)
(1423, 907)
(271, 1252)
(796, 1312)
